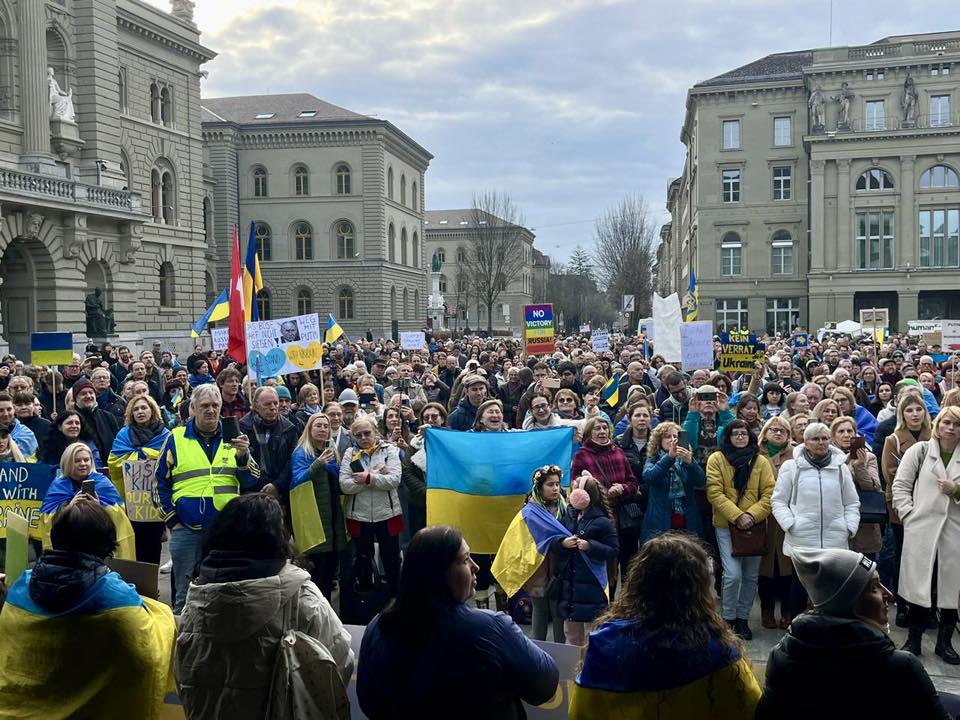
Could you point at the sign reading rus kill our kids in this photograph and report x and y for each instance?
(138, 481)
(22, 488)
(538, 334)
(283, 346)
(740, 352)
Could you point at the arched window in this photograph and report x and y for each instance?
(209, 287)
(939, 176)
(303, 241)
(263, 236)
(345, 304)
(403, 246)
(301, 180)
(122, 89)
(264, 305)
(414, 196)
(346, 244)
(441, 254)
(207, 220)
(166, 105)
(403, 189)
(168, 196)
(391, 244)
(731, 255)
(125, 170)
(166, 285)
(304, 301)
(461, 255)
(154, 102)
(416, 303)
(781, 253)
(443, 283)
(416, 249)
(393, 303)
(163, 193)
(406, 305)
(875, 179)
(389, 183)
(343, 179)
(260, 182)
(155, 195)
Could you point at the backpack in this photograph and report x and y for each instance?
(306, 683)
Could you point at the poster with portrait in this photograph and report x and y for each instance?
(283, 346)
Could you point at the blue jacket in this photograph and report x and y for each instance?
(62, 490)
(656, 475)
(478, 652)
(463, 415)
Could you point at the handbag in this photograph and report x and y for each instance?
(873, 506)
(630, 516)
(751, 542)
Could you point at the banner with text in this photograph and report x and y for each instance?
(951, 336)
(413, 340)
(600, 341)
(22, 489)
(696, 337)
(740, 352)
(539, 336)
(138, 481)
(220, 337)
(287, 345)
(921, 327)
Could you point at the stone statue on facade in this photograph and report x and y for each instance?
(910, 102)
(99, 317)
(436, 262)
(845, 98)
(61, 103)
(31, 230)
(182, 10)
(815, 103)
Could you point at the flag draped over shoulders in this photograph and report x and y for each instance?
(525, 546)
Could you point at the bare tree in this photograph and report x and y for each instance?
(494, 248)
(626, 239)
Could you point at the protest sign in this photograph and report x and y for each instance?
(666, 327)
(220, 336)
(22, 489)
(18, 547)
(413, 340)
(696, 339)
(585, 328)
(283, 346)
(741, 352)
(921, 327)
(951, 336)
(138, 482)
(800, 341)
(600, 341)
(538, 334)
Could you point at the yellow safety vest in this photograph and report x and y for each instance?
(196, 477)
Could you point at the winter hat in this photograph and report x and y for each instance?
(283, 392)
(833, 578)
(81, 385)
(473, 380)
(348, 396)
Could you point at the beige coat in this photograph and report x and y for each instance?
(893, 449)
(868, 538)
(931, 526)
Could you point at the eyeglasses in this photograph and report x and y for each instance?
(740, 433)
(541, 406)
(777, 430)
(565, 400)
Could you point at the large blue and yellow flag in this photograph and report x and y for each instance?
(526, 545)
(252, 280)
(304, 510)
(218, 310)
(51, 348)
(478, 481)
(333, 329)
(693, 298)
(610, 393)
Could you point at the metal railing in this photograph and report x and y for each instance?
(61, 189)
(923, 122)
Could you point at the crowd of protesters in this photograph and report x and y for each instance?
(814, 481)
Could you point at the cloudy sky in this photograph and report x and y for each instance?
(567, 105)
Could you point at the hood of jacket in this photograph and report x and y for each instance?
(824, 641)
(837, 458)
(61, 580)
(232, 611)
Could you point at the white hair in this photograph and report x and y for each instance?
(204, 392)
(815, 428)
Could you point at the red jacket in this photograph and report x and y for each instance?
(608, 464)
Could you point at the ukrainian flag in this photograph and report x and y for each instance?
(304, 510)
(252, 280)
(693, 298)
(333, 329)
(610, 393)
(51, 348)
(478, 481)
(219, 310)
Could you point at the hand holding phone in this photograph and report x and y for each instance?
(231, 429)
(89, 487)
(683, 440)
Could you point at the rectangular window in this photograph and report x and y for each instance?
(782, 134)
(731, 186)
(731, 259)
(939, 110)
(781, 183)
(781, 256)
(940, 237)
(875, 240)
(875, 116)
(731, 315)
(731, 134)
(783, 315)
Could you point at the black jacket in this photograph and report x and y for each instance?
(581, 597)
(884, 430)
(833, 667)
(40, 427)
(273, 456)
(102, 426)
(637, 457)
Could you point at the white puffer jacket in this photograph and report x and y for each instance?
(378, 500)
(816, 508)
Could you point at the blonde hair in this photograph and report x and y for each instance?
(850, 399)
(840, 420)
(818, 409)
(779, 420)
(306, 439)
(952, 412)
(364, 421)
(154, 409)
(304, 390)
(906, 400)
(68, 459)
(653, 444)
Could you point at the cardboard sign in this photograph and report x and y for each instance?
(18, 547)
(220, 337)
(539, 336)
(696, 339)
(138, 482)
(22, 489)
(142, 575)
(283, 346)
(600, 341)
(584, 329)
(741, 352)
(413, 340)
(800, 341)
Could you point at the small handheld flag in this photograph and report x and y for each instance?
(219, 310)
(333, 329)
(51, 348)
(610, 393)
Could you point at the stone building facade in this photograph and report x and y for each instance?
(821, 183)
(448, 233)
(336, 200)
(100, 189)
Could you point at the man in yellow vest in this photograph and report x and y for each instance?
(197, 475)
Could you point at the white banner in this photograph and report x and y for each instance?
(666, 327)
(697, 339)
(283, 346)
(600, 341)
(220, 337)
(919, 327)
(951, 336)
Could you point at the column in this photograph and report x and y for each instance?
(843, 240)
(33, 74)
(817, 247)
(904, 224)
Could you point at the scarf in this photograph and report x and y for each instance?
(772, 449)
(142, 434)
(310, 409)
(742, 461)
(819, 463)
(676, 493)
